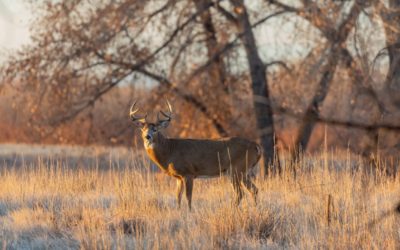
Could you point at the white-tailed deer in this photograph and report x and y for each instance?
(187, 159)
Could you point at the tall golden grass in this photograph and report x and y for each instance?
(46, 203)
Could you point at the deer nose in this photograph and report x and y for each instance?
(148, 137)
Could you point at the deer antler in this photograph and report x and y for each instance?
(132, 113)
(167, 115)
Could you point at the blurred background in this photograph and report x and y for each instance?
(296, 75)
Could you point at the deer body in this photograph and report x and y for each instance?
(182, 157)
(187, 159)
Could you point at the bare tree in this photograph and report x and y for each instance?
(217, 70)
(81, 51)
(336, 36)
(261, 98)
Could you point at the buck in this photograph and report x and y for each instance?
(188, 159)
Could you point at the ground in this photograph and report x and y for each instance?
(97, 197)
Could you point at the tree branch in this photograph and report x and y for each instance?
(64, 118)
(188, 98)
(331, 121)
(226, 14)
(162, 46)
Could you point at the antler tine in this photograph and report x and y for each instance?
(133, 111)
(169, 106)
(164, 114)
(168, 116)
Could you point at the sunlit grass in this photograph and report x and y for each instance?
(46, 204)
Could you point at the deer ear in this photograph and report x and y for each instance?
(163, 124)
(139, 123)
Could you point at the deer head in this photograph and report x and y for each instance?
(150, 131)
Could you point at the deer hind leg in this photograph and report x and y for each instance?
(251, 187)
(237, 188)
(189, 189)
(179, 191)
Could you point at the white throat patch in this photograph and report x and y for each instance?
(148, 144)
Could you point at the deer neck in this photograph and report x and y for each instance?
(160, 151)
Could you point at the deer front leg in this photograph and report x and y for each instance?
(179, 191)
(189, 189)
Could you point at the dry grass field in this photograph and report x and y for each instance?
(88, 198)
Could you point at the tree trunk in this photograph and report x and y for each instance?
(217, 71)
(338, 40)
(392, 31)
(261, 98)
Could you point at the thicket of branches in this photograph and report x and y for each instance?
(208, 57)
